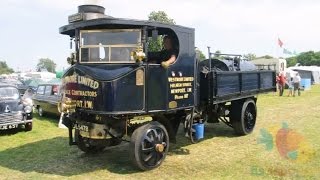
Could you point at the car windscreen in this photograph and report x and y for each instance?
(9, 93)
(103, 46)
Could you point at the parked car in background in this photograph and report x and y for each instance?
(22, 87)
(15, 111)
(46, 98)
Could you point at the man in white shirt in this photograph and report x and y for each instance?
(296, 84)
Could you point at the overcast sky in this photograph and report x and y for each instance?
(29, 29)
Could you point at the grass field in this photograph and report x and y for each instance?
(44, 153)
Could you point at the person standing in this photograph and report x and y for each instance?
(277, 83)
(296, 84)
(282, 82)
(290, 85)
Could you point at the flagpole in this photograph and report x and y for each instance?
(277, 46)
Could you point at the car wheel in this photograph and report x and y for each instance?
(28, 126)
(149, 145)
(40, 111)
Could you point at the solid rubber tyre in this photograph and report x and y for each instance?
(145, 140)
(85, 146)
(243, 116)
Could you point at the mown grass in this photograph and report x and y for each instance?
(44, 153)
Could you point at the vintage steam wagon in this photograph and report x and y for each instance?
(113, 91)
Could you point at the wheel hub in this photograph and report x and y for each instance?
(159, 148)
(250, 116)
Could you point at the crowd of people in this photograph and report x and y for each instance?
(293, 84)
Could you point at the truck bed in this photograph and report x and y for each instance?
(223, 86)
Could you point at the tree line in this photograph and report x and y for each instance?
(44, 64)
(4, 68)
(306, 58)
(309, 58)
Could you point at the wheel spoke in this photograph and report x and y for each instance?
(146, 150)
(149, 139)
(153, 145)
(249, 118)
(155, 158)
(148, 157)
(161, 137)
(157, 135)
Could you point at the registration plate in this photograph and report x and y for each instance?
(10, 126)
(82, 127)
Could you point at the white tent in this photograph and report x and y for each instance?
(45, 76)
(315, 72)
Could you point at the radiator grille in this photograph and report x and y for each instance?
(12, 117)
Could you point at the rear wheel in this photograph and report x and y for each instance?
(243, 116)
(149, 145)
(85, 145)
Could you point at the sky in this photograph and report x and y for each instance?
(30, 29)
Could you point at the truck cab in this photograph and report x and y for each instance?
(114, 84)
(105, 70)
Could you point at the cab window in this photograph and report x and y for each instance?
(40, 90)
(162, 44)
(48, 91)
(55, 90)
(116, 45)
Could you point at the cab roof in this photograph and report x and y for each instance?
(111, 23)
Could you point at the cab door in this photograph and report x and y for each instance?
(38, 98)
(157, 87)
(48, 104)
(172, 88)
(53, 100)
(181, 83)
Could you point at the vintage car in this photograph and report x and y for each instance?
(15, 111)
(46, 98)
(21, 85)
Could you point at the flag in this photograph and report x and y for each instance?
(280, 42)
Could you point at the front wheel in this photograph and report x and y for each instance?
(149, 145)
(40, 111)
(28, 126)
(243, 116)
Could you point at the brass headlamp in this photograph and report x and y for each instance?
(67, 105)
(138, 55)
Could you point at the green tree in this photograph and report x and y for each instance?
(250, 56)
(4, 68)
(292, 61)
(162, 17)
(309, 58)
(200, 54)
(218, 56)
(46, 63)
(217, 53)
